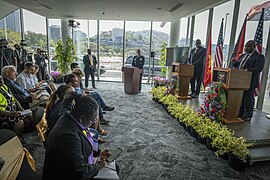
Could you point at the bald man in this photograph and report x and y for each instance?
(253, 62)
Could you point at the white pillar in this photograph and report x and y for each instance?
(192, 32)
(174, 33)
(65, 31)
(233, 29)
(174, 40)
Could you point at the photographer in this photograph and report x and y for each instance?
(7, 55)
(40, 59)
(21, 55)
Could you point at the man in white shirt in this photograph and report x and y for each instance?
(26, 78)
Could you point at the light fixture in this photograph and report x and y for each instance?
(73, 24)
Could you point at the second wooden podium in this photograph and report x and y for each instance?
(131, 79)
(183, 72)
(234, 81)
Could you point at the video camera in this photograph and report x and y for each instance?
(3, 44)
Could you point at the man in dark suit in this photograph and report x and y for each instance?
(251, 61)
(21, 56)
(197, 58)
(90, 62)
(138, 61)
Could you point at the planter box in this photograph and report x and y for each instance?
(209, 145)
(201, 140)
(238, 164)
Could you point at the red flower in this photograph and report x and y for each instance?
(216, 89)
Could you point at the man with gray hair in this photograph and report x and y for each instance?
(21, 94)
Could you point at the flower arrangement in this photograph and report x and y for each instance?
(55, 74)
(214, 102)
(159, 81)
(57, 77)
(170, 87)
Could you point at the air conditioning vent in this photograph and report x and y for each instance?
(176, 7)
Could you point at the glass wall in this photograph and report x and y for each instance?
(183, 32)
(54, 36)
(111, 49)
(222, 11)
(200, 29)
(10, 28)
(138, 36)
(35, 33)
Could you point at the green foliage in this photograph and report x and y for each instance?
(65, 56)
(222, 138)
(162, 61)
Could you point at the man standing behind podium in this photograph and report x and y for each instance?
(90, 62)
(197, 58)
(138, 61)
(251, 61)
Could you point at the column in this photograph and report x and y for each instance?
(174, 40)
(210, 21)
(48, 45)
(22, 24)
(65, 31)
(174, 33)
(192, 32)
(233, 29)
(187, 35)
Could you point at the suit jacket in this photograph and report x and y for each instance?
(67, 152)
(138, 61)
(86, 62)
(198, 58)
(254, 64)
(18, 94)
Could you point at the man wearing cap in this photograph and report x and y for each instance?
(21, 55)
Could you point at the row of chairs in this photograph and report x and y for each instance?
(15, 160)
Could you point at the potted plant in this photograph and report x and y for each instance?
(65, 56)
(162, 60)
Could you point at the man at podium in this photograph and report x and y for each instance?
(138, 61)
(251, 61)
(197, 58)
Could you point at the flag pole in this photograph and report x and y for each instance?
(225, 25)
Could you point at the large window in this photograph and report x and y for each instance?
(200, 29)
(35, 31)
(80, 39)
(54, 36)
(111, 49)
(138, 37)
(183, 32)
(160, 35)
(10, 28)
(222, 11)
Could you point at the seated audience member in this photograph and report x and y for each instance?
(74, 65)
(10, 112)
(54, 104)
(50, 85)
(53, 112)
(70, 147)
(22, 95)
(26, 78)
(74, 81)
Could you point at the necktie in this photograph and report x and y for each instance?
(91, 60)
(243, 62)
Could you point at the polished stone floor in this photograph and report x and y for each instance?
(154, 144)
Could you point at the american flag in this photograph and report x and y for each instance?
(259, 33)
(258, 40)
(254, 13)
(219, 48)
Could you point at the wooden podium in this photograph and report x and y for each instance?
(234, 81)
(131, 79)
(183, 72)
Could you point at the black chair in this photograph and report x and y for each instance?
(25, 172)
